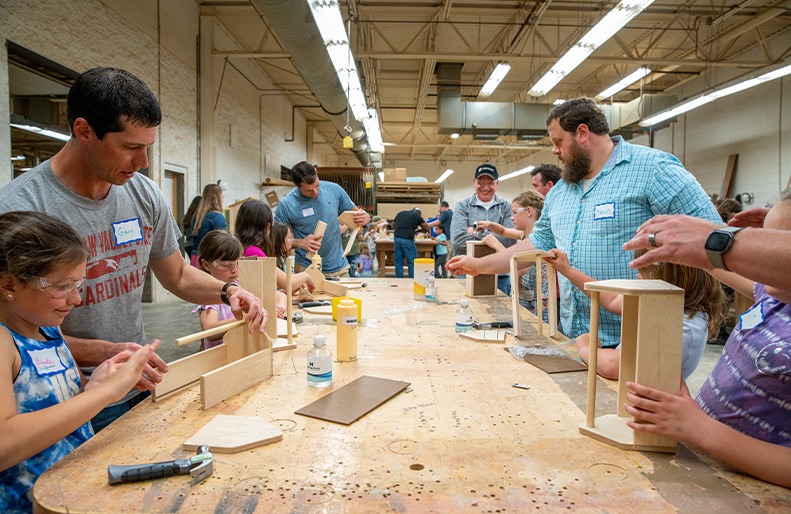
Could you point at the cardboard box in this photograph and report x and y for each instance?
(394, 174)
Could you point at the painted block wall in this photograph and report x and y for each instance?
(756, 124)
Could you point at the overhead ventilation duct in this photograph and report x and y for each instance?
(293, 24)
(624, 118)
(490, 120)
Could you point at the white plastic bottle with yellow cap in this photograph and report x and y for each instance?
(347, 330)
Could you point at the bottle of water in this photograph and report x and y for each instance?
(431, 289)
(464, 316)
(319, 364)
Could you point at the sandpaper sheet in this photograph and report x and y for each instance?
(354, 400)
(554, 363)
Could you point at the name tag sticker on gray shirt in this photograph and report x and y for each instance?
(307, 212)
(127, 231)
(604, 211)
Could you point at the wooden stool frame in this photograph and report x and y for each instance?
(651, 332)
(537, 257)
(241, 361)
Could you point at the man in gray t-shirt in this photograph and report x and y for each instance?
(122, 217)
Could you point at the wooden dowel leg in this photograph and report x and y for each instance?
(539, 298)
(289, 264)
(515, 296)
(208, 333)
(552, 306)
(593, 351)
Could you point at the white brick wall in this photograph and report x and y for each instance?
(124, 33)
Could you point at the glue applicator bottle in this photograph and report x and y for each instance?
(347, 330)
(319, 364)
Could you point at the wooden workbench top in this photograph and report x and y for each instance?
(459, 439)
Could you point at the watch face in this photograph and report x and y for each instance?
(718, 241)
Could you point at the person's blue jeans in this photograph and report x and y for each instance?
(504, 284)
(113, 412)
(404, 249)
(352, 260)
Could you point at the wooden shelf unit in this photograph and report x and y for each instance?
(408, 192)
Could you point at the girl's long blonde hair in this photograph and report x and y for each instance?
(210, 201)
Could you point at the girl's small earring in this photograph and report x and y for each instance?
(9, 297)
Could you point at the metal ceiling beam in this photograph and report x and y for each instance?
(550, 58)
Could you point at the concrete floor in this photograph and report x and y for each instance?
(168, 320)
(171, 318)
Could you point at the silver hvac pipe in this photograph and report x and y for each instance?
(292, 23)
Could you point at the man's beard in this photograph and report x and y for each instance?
(578, 165)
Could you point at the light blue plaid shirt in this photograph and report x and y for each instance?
(636, 184)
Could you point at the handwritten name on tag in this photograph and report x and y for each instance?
(127, 231)
(604, 211)
(46, 361)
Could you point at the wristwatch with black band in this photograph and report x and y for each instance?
(718, 242)
(224, 292)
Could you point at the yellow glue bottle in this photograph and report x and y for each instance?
(347, 330)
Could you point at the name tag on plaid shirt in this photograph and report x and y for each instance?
(604, 211)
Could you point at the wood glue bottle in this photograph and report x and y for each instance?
(347, 330)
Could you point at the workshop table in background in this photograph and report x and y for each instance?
(385, 252)
(459, 439)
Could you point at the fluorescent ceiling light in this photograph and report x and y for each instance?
(327, 14)
(497, 76)
(517, 173)
(18, 158)
(593, 39)
(625, 82)
(373, 131)
(714, 95)
(43, 132)
(455, 135)
(381, 176)
(559, 101)
(448, 173)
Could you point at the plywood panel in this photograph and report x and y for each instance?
(480, 285)
(188, 370)
(235, 377)
(231, 434)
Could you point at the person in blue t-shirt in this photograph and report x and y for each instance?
(307, 204)
(444, 218)
(441, 250)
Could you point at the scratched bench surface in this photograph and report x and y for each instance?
(460, 439)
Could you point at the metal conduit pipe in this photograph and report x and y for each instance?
(293, 24)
